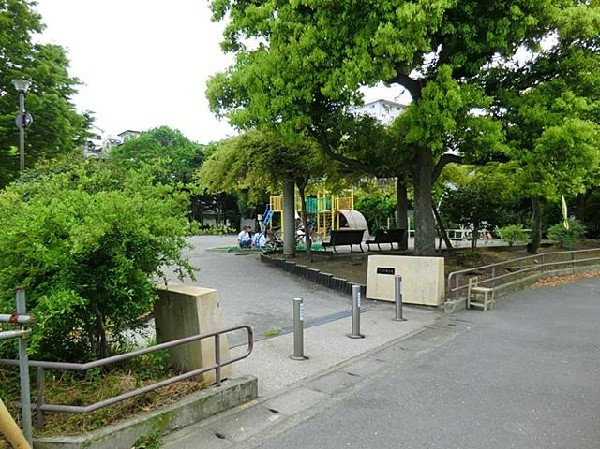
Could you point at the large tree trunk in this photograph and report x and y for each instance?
(102, 340)
(582, 203)
(307, 239)
(289, 219)
(536, 225)
(424, 220)
(402, 209)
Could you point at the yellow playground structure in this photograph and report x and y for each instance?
(325, 212)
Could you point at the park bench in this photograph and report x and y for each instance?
(344, 237)
(390, 236)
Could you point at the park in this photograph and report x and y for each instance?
(481, 185)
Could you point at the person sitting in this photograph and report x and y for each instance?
(259, 240)
(244, 237)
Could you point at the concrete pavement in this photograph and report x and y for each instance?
(526, 374)
(251, 293)
(286, 386)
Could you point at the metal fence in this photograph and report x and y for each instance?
(501, 273)
(43, 407)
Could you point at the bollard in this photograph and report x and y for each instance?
(398, 283)
(356, 312)
(24, 372)
(298, 317)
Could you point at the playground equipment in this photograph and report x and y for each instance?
(325, 212)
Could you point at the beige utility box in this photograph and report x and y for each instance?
(422, 279)
(185, 310)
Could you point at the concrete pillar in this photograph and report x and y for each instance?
(185, 310)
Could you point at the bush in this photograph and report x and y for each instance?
(559, 234)
(219, 229)
(513, 233)
(376, 208)
(86, 242)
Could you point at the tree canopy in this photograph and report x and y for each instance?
(85, 240)
(550, 109)
(300, 64)
(180, 155)
(57, 126)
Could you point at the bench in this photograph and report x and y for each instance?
(345, 237)
(390, 236)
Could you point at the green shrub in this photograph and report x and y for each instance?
(219, 229)
(87, 243)
(559, 234)
(376, 208)
(513, 233)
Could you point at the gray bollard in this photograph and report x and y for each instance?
(356, 312)
(298, 317)
(398, 283)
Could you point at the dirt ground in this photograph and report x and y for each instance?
(353, 266)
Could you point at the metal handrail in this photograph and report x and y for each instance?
(42, 407)
(535, 262)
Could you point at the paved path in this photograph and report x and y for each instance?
(252, 293)
(524, 375)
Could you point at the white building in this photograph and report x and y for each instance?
(383, 110)
(98, 143)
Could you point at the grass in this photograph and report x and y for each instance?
(272, 332)
(80, 389)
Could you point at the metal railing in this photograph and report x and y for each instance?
(18, 318)
(42, 407)
(502, 272)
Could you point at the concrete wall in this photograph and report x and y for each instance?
(185, 310)
(422, 278)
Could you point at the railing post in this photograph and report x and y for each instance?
(218, 359)
(41, 388)
(298, 322)
(543, 263)
(24, 372)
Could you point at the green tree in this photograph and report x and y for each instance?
(86, 240)
(473, 204)
(550, 107)
(180, 155)
(57, 127)
(301, 64)
(258, 162)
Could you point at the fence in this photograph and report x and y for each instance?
(516, 269)
(42, 407)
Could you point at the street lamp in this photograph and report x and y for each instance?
(24, 119)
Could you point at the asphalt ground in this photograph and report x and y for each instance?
(251, 293)
(524, 375)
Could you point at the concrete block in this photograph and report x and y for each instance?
(185, 310)
(422, 278)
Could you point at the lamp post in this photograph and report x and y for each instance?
(24, 119)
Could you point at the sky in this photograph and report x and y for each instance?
(144, 63)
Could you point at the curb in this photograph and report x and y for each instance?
(193, 408)
(315, 275)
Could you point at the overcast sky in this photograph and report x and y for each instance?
(144, 63)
